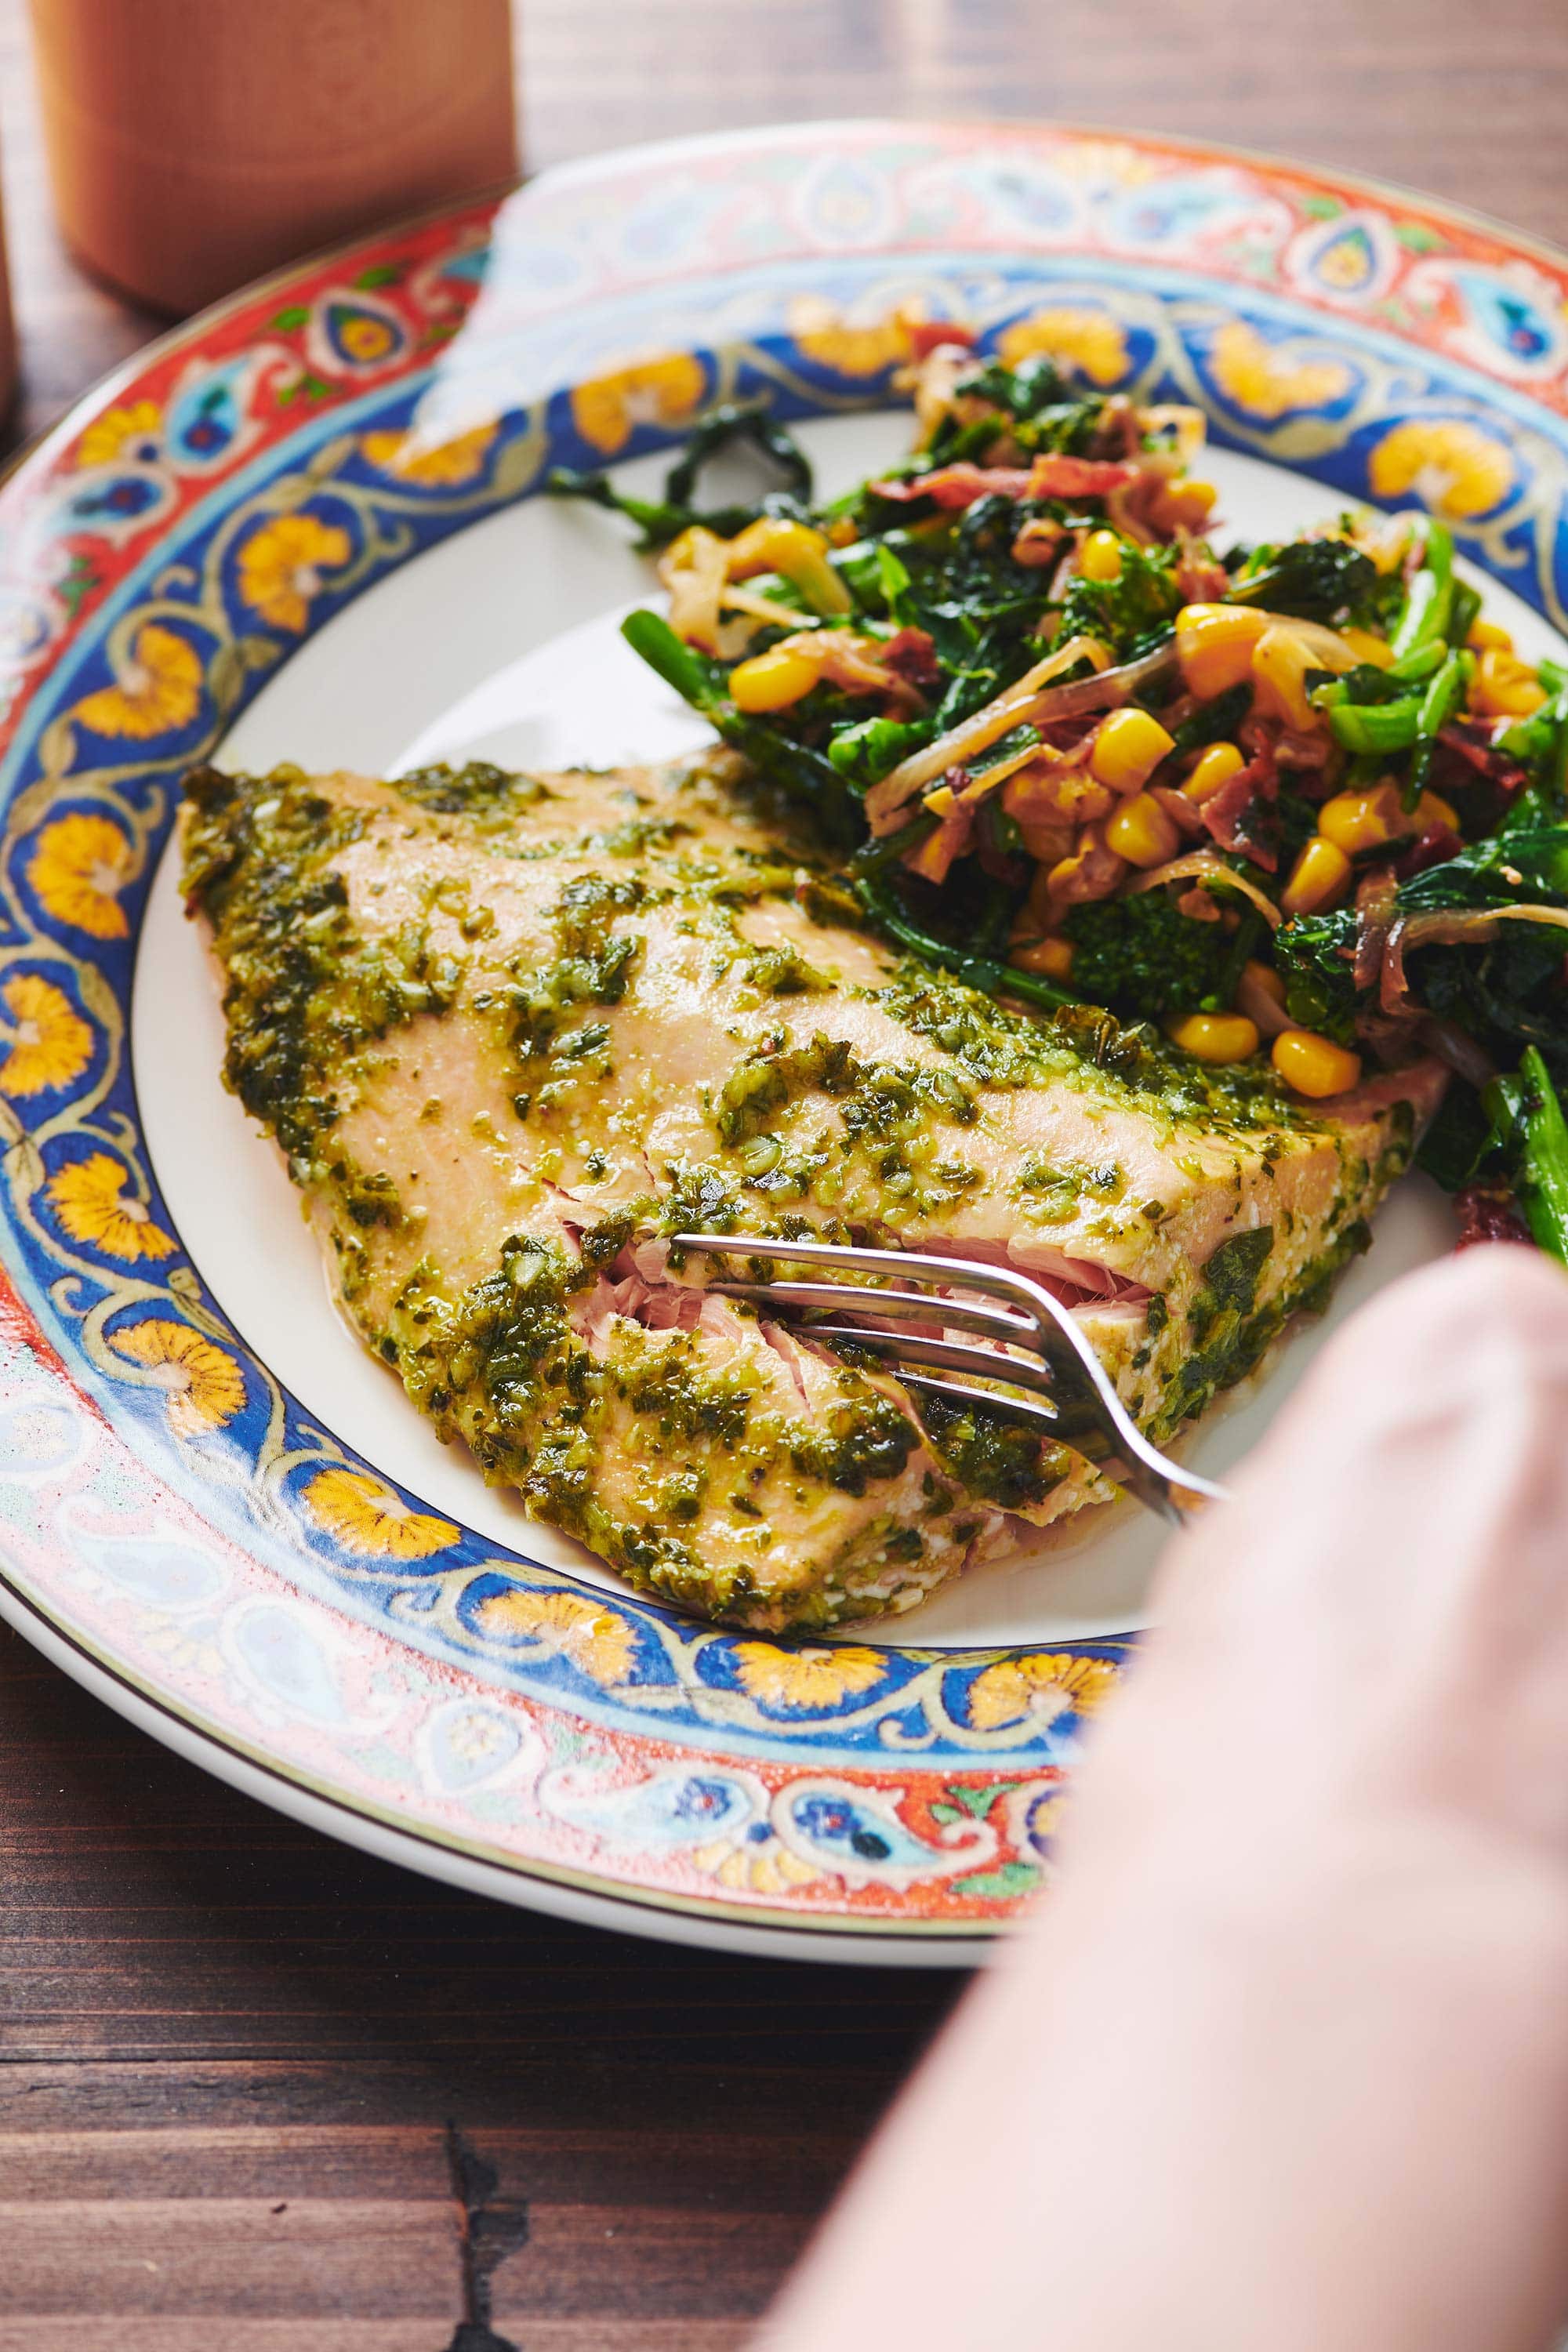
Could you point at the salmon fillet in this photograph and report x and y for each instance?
(513, 1033)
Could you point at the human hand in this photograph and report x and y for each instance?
(1283, 2059)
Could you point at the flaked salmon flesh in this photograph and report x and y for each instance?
(514, 1033)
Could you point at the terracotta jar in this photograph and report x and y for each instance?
(194, 143)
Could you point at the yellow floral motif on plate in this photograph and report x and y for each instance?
(664, 388)
(1083, 341)
(802, 1678)
(203, 1384)
(1259, 378)
(594, 1638)
(1047, 1682)
(79, 869)
(93, 1204)
(50, 1042)
(281, 567)
(363, 1516)
(1453, 467)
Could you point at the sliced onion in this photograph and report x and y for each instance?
(957, 747)
(1393, 1038)
(694, 569)
(987, 780)
(763, 608)
(1212, 868)
(1267, 1014)
(1118, 511)
(1376, 904)
(1446, 928)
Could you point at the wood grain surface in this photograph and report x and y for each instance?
(255, 2091)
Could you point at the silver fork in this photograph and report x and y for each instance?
(1065, 1389)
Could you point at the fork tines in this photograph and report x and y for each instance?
(1039, 1364)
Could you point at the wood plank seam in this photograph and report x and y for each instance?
(489, 2228)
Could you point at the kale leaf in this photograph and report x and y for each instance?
(1140, 955)
(1313, 579)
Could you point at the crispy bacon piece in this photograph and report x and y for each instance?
(1489, 1212)
(910, 654)
(1184, 813)
(1079, 477)
(928, 335)
(1467, 765)
(1241, 817)
(958, 486)
(1434, 847)
(1048, 478)
(1201, 579)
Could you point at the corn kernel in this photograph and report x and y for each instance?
(1314, 1065)
(1100, 557)
(1264, 976)
(942, 802)
(1367, 819)
(774, 543)
(1316, 878)
(1504, 686)
(1367, 648)
(1214, 767)
(1128, 748)
(1215, 645)
(1141, 831)
(1214, 1036)
(1052, 957)
(1185, 506)
(773, 680)
(1489, 634)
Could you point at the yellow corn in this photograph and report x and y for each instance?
(1504, 686)
(1280, 660)
(1100, 557)
(1141, 831)
(1314, 1065)
(1215, 645)
(1367, 648)
(1264, 976)
(772, 682)
(1372, 817)
(1128, 748)
(1485, 634)
(941, 802)
(774, 543)
(1316, 878)
(1186, 506)
(1214, 1036)
(1214, 767)
(1364, 820)
(1052, 957)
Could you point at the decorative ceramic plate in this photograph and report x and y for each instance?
(306, 526)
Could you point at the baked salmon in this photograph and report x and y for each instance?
(513, 1033)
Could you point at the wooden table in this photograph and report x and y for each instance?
(257, 2093)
